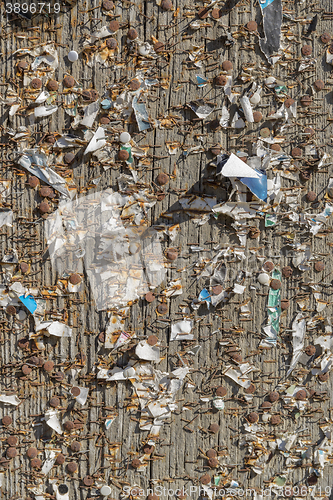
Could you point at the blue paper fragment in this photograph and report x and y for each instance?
(205, 296)
(257, 186)
(201, 80)
(29, 302)
(106, 104)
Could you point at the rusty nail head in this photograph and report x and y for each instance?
(114, 26)
(310, 350)
(203, 13)
(276, 147)
(162, 179)
(253, 417)
(71, 467)
(32, 452)
(6, 420)
(22, 65)
(319, 266)
(216, 13)
(136, 463)
(104, 120)
(36, 83)
(111, 43)
(54, 402)
(266, 405)
(306, 100)
(48, 366)
(323, 377)
(319, 85)
(134, 84)
(107, 5)
(159, 47)
(68, 82)
(69, 425)
(296, 152)
(257, 116)
(88, 481)
(275, 419)
(152, 340)
(306, 50)
(227, 65)
(284, 304)
(11, 452)
(123, 155)
(171, 254)
(311, 196)
(214, 428)
(206, 479)
(252, 26)
(24, 267)
(300, 395)
(268, 266)
(75, 391)
(33, 181)
(46, 192)
(217, 289)
(287, 271)
(211, 453)
(26, 370)
(75, 279)
(309, 131)
(44, 207)
(251, 389)
(221, 391)
(75, 446)
(273, 396)
(11, 310)
(162, 308)
(213, 462)
(166, 5)
(325, 37)
(275, 284)
(148, 448)
(12, 441)
(150, 297)
(220, 81)
(60, 459)
(52, 85)
(289, 102)
(132, 34)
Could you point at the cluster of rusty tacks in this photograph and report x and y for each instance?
(166, 196)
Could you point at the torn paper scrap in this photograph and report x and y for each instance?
(272, 19)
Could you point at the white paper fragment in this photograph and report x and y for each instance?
(98, 141)
(55, 328)
(52, 420)
(149, 353)
(9, 400)
(299, 328)
(182, 330)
